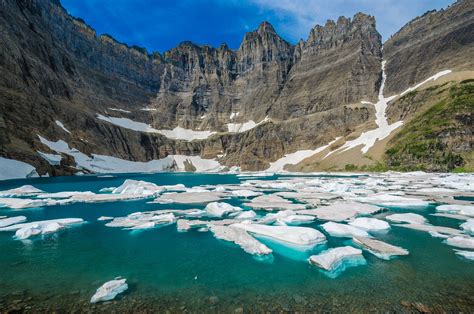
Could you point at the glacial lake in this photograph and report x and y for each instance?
(195, 272)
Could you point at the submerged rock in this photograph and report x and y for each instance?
(379, 248)
(109, 290)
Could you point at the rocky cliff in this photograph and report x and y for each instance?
(275, 97)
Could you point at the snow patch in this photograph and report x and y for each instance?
(245, 126)
(431, 78)
(14, 169)
(61, 125)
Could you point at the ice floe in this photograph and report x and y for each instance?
(335, 260)
(339, 230)
(219, 209)
(461, 242)
(391, 200)
(300, 236)
(435, 231)
(468, 226)
(465, 254)
(407, 218)
(43, 223)
(109, 290)
(14, 169)
(26, 230)
(467, 210)
(380, 249)
(178, 133)
(240, 237)
(25, 190)
(286, 217)
(5, 222)
(141, 220)
(370, 224)
(342, 210)
(273, 202)
(190, 197)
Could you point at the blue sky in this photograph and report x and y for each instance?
(159, 25)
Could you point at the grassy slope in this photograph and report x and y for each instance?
(439, 138)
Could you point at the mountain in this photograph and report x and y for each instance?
(74, 101)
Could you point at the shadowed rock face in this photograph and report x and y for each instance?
(436, 41)
(54, 67)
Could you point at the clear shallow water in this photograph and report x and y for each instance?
(193, 271)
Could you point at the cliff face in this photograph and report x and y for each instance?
(437, 41)
(55, 67)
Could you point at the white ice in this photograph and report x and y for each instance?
(330, 259)
(465, 254)
(61, 125)
(379, 248)
(119, 110)
(461, 242)
(178, 133)
(43, 223)
(286, 217)
(14, 169)
(467, 210)
(370, 224)
(52, 159)
(25, 190)
(5, 222)
(407, 218)
(109, 290)
(300, 236)
(341, 210)
(339, 230)
(219, 209)
(468, 226)
(240, 237)
(296, 157)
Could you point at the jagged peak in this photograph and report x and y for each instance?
(266, 27)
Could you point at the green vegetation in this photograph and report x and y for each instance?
(439, 139)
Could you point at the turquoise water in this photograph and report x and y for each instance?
(193, 271)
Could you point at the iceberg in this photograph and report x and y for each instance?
(5, 222)
(246, 193)
(461, 242)
(379, 248)
(342, 210)
(299, 236)
(339, 230)
(190, 197)
(240, 237)
(21, 203)
(435, 231)
(248, 214)
(141, 220)
(109, 290)
(25, 190)
(466, 210)
(370, 224)
(407, 218)
(286, 217)
(465, 254)
(272, 202)
(334, 261)
(32, 229)
(468, 226)
(136, 187)
(216, 209)
(104, 218)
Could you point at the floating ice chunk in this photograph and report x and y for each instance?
(343, 231)
(14, 169)
(465, 254)
(190, 197)
(461, 242)
(240, 237)
(342, 210)
(5, 222)
(104, 218)
(28, 231)
(61, 125)
(390, 200)
(468, 226)
(248, 214)
(135, 187)
(467, 210)
(273, 202)
(246, 193)
(452, 216)
(185, 225)
(109, 290)
(43, 223)
(436, 234)
(300, 236)
(141, 220)
(407, 218)
(51, 227)
(25, 190)
(287, 217)
(20, 203)
(370, 224)
(65, 194)
(433, 230)
(216, 209)
(380, 249)
(335, 260)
